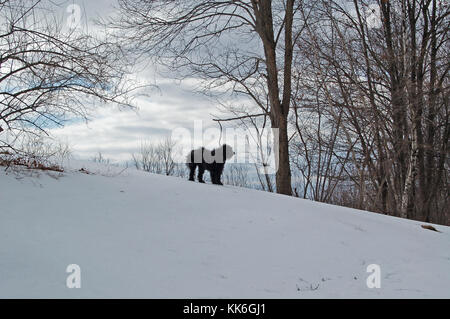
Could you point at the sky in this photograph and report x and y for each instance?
(119, 133)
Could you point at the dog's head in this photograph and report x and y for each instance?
(227, 151)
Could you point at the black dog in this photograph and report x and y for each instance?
(213, 161)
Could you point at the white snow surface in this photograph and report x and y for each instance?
(139, 235)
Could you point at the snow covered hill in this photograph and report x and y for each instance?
(135, 234)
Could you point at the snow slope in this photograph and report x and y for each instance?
(140, 235)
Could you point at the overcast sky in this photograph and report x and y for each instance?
(118, 133)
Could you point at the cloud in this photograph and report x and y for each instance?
(117, 133)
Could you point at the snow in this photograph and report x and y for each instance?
(139, 235)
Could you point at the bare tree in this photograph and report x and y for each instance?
(147, 159)
(167, 150)
(236, 175)
(49, 73)
(386, 87)
(159, 158)
(243, 47)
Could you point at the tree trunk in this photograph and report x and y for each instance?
(283, 174)
(279, 110)
(409, 190)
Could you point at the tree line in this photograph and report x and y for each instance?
(357, 89)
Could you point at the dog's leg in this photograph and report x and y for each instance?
(218, 179)
(191, 171)
(218, 175)
(214, 178)
(201, 170)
